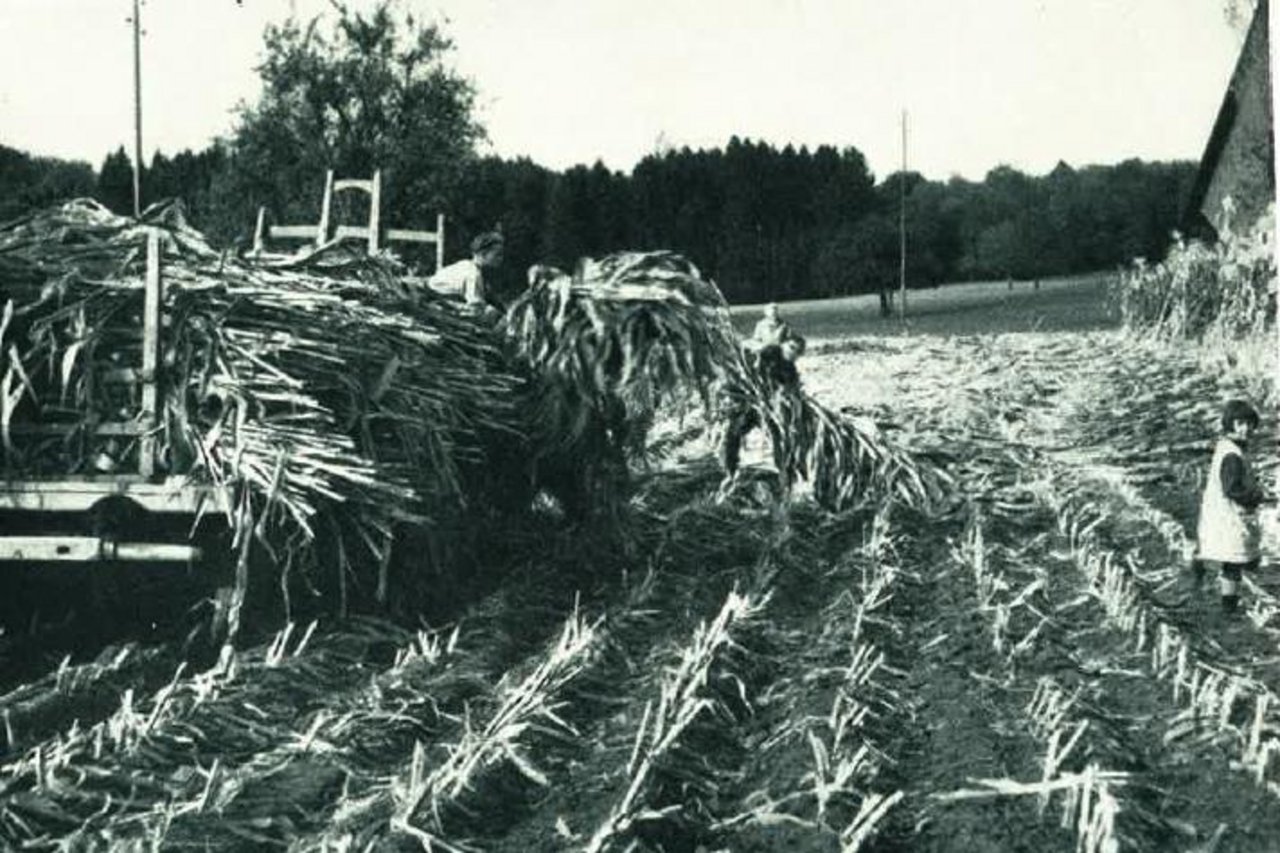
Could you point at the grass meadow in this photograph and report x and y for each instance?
(970, 308)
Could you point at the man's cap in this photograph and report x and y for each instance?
(485, 242)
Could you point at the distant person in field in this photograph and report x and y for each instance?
(771, 330)
(1228, 530)
(775, 365)
(465, 279)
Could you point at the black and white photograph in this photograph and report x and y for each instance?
(747, 426)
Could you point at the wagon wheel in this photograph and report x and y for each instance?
(151, 601)
(109, 598)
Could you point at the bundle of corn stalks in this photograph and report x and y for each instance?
(636, 330)
(843, 458)
(300, 388)
(617, 338)
(1227, 288)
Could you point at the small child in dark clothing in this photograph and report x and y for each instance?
(1228, 531)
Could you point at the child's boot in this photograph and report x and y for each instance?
(1229, 584)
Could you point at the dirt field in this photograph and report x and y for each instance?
(1028, 668)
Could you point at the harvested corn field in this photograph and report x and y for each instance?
(391, 479)
(1021, 662)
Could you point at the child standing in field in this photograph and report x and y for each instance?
(1228, 530)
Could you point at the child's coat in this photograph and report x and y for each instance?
(1228, 532)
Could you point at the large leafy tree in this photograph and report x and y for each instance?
(354, 93)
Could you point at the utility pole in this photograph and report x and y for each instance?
(902, 225)
(137, 109)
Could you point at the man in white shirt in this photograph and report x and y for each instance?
(464, 279)
(772, 330)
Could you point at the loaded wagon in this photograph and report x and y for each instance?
(170, 411)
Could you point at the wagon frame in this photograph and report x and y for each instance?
(52, 501)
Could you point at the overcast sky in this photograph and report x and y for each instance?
(985, 82)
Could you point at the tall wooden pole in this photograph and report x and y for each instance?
(902, 225)
(137, 109)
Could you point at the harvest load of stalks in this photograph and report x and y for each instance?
(843, 458)
(638, 334)
(315, 392)
(611, 343)
(324, 398)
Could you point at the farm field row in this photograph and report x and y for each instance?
(1026, 668)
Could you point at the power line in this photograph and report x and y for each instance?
(137, 109)
(902, 225)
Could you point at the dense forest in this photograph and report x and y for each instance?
(28, 182)
(764, 222)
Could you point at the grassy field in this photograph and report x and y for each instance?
(956, 309)
(1026, 666)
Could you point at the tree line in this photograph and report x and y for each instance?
(28, 182)
(373, 92)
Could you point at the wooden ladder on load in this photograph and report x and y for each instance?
(371, 233)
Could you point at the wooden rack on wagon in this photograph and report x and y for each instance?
(372, 233)
(36, 505)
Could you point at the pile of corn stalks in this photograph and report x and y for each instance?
(636, 331)
(1227, 289)
(620, 336)
(322, 397)
(844, 459)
